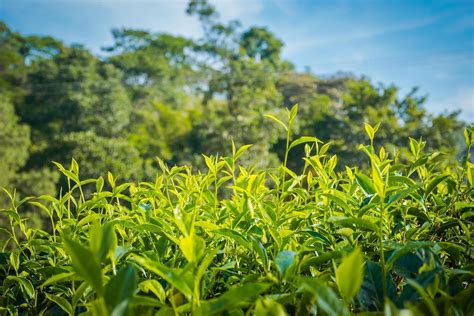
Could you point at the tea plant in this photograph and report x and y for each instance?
(235, 240)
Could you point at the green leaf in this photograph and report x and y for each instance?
(67, 173)
(99, 184)
(146, 301)
(61, 302)
(267, 307)
(407, 248)
(41, 206)
(170, 275)
(326, 299)
(85, 263)
(236, 236)
(155, 287)
(108, 242)
(25, 285)
(120, 289)
(15, 260)
(428, 301)
(110, 179)
(303, 140)
(13, 215)
(79, 293)
(402, 194)
(350, 273)
(434, 183)
(352, 222)
(293, 112)
(275, 119)
(379, 184)
(323, 258)
(232, 298)
(192, 247)
(365, 183)
(241, 150)
(369, 130)
(468, 136)
(336, 199)
(61, 277)
(261, 251)
(371, 294)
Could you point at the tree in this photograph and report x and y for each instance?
(15, 141)
(155, 67)
(260, 44)
(77, 106)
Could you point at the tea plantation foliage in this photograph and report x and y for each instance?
(231, 240)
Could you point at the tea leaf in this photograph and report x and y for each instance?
(275, 119)
(192, 247)
(61, 302)
(169, 274)
(350, 273)
(120, 288)
(85, 263)
(232, 298)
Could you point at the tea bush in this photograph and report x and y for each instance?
(235, 240)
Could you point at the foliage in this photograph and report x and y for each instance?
(14, 140)
(237, 240)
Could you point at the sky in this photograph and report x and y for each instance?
(409, 43)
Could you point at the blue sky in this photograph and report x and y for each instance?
(429, 44)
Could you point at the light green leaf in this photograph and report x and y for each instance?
(268, 307)
(15, 260)
(155, 287)
(99, 184)
(350, 274)
(241, 150)
(171, 276)
(379, 184)
(303, 140)
(468, 136)
(110, 179)
(365, 183)
(275, 119)
(25, 285)
(192, 247)
(293, 112)
(369, 130)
